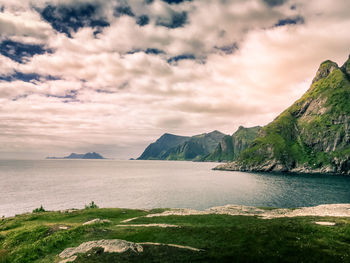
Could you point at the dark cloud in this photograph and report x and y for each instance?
(228, 49)
(275, 2)
(175, 1)
(123, 10)
(142, 20)
(148, 1)
(181, 57)
(177, 19)
(290, 21)
(20, 52)
(65, 18)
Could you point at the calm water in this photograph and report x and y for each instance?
(61, 184)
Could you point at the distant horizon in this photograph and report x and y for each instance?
(113, 76)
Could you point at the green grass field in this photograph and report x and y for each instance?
(39, 237)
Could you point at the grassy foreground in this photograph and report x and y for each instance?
(40, 237)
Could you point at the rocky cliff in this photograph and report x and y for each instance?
(174, 147)
(230, 147)
(312, 135)
(158, 150)
(197, 147)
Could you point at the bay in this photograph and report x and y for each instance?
(63, 184)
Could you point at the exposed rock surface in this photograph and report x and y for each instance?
(230, 147)
(336, 210)
(96, 221)
(111, 246)
(311, 136)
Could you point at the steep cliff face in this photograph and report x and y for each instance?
(173, 147)
(230, 147)
(313, 135)
(197, 147)
(158, 150)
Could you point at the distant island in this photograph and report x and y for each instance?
(89, 155)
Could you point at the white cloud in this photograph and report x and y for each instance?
(112, 97)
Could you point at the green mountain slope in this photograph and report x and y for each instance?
(196, 147)
(313, 135)
(158, 150)
(173, 147)
(230, 147)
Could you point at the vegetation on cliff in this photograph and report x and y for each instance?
(230, 147)
(312, 135)
(174, 147)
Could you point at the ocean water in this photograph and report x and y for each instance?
(63, 184)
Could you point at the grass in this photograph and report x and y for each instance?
(39, 238)
(293, 141)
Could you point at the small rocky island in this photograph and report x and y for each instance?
(89, 155)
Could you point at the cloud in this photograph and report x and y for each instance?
(174, 20)
(184, 67)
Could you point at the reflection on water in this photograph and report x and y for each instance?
(61, 184)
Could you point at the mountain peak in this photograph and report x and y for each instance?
(312, 135)
(326, 68)
(346, 67)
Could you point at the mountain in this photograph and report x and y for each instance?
(174, 147)
(230, 147)
(312, 135)
(196, 148)
(90, 155)
(158, 149)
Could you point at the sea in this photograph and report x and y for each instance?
(64, 184)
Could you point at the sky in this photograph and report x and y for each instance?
(112, 76)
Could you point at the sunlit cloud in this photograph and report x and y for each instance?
(112, 76)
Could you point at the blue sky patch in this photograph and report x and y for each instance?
(181, 57)
(65, 19)
(26, 77)
(290, 21)
(123, 10)
(142, 20)
(175, 1)
(20, 52)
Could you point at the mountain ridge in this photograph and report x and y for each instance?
(310, 136)
(175, 147)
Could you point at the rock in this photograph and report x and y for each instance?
(325, 223)
(97, 220)
(325, 69)
(113, 245)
